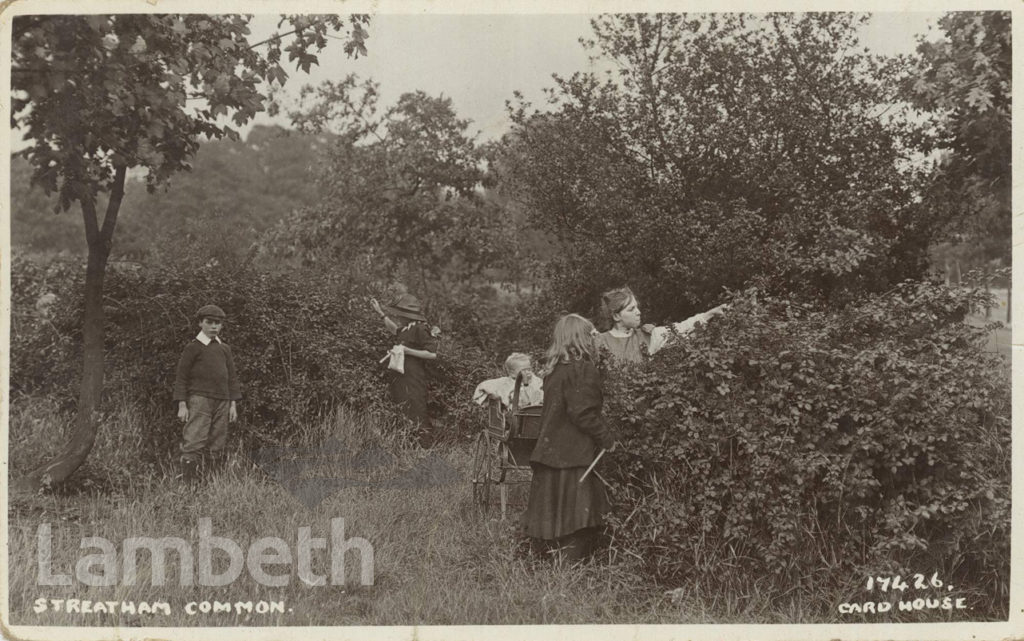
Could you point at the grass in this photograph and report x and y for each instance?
(438, 560)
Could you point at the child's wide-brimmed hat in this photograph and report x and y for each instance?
(210, 311)
(406, 306)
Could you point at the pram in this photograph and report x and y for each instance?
(502, 449)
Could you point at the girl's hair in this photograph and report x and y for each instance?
(614, 301)
(573, 339)
(514, 359)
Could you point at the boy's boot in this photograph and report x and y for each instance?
(189, 470)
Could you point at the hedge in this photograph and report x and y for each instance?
(785, 438)
(301, 348)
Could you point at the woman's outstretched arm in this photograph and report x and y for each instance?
(660, 335)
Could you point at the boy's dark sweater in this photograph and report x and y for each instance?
(206, 370)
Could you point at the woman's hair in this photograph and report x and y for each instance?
(614, 301)
(573, 339)
(516, 362)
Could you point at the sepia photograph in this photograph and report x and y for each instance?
(450, 320)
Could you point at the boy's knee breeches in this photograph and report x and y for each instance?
(206, 428)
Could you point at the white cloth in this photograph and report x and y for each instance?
(504, 387)
(397, 359)
(205, 340)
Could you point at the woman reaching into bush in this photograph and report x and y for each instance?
(629, 341)
(566, 510)
(415, 346)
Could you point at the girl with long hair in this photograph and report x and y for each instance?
(566, 510)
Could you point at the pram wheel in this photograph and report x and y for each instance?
(483, 467)
(501, 452)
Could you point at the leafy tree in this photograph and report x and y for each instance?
(962, 83)
(236, 190)
(401, 192)
(101, 94)
(31, 229)
(718, 149)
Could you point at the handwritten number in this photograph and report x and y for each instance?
(897, 582)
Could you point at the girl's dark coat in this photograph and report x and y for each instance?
(572, 428)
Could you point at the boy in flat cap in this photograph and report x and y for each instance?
(206, 389)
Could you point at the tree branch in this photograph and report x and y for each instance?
(113, 205)
(278, 36)
(92, 230)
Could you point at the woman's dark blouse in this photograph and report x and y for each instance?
(572, 428)
(410, 389)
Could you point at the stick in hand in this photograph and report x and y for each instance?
(596, 459)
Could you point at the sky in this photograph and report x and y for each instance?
(479, 60)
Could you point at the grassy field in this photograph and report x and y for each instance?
(437, 559)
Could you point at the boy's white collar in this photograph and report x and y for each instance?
(205, 340)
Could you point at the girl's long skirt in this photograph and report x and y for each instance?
(560, 505)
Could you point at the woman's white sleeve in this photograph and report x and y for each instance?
(688, 325)
(685, 327)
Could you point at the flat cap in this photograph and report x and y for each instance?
(210, 311)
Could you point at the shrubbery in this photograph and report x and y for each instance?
(784, 438)
(301, 348)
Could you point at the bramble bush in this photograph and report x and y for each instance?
(785, 440)
(790, 441)
(302, 348)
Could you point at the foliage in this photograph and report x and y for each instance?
(784, 438)
(234, 191)
(303, 347)
(110, 91)
(34, 226)
(400, 199)
(963, 85)
(101, 94)
(720, 148)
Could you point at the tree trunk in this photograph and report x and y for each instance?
(80, 444)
